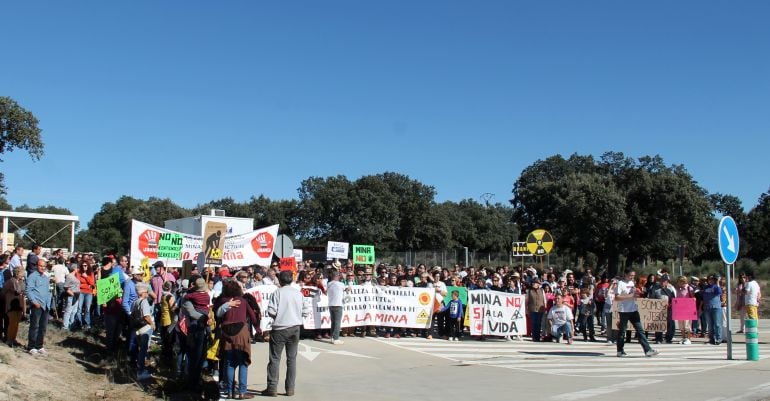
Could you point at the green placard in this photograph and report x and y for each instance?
(170, 246)
(363, 254)
(463, 294)
(108, 289)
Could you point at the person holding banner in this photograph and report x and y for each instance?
(683, 290)
(625, 297)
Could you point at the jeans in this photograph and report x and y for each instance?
(335, 313)
(714, 319)
(636, 322)
(142, 342)
(537, 319)
(455, 327)
(587, 326)
(196, 353)
(38, 323)
(71, 304)
(86, 300)
(236, 359)
(565, 329)
(112, 325)
(289, 338)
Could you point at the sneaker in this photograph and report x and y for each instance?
(651, 352)
(686, 341)
(622, 354)
(33, 352)
(215, 375)
(42, 352)
(338, 342)
(508, 338)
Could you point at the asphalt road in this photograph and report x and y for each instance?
(420, 369)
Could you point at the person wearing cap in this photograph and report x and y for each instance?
(535, 308)
(72, 298)
(712, 309)
(141, 327)
(113, 311)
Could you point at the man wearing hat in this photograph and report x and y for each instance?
(141, 326)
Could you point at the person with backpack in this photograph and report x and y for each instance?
(142, 326)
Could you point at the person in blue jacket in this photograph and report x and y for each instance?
(455, 323)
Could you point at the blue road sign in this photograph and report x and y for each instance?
(729, 244)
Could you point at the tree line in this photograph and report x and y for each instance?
(603, 210)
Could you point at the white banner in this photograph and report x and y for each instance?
(263, 293)
(172, 247)
(366, 305)
(496, 313)
(337, 250)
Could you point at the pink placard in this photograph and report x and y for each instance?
(683, 309)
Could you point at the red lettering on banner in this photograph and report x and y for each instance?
(477, 313)
(325, 319)
(345, 319)
(513, 301)
(367, 317)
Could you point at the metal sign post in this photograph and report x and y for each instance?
(729, 246)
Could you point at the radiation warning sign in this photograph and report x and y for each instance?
(539, 242)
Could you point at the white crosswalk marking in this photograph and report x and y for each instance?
(579, 359)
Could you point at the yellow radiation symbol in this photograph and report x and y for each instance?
(539, 242)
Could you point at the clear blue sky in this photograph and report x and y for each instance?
(200, 100)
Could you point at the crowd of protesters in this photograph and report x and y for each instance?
(206, 323)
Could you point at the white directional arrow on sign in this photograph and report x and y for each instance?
(311, 355)
(730, 239)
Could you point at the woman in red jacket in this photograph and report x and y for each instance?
(87, 292)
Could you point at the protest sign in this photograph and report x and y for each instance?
(145, 265)
(297, 253)
(653, 313)
(289, 264)
(214, 238)
(253, 248)
(496, 313)
(108, 289)
(368, 305)
(337, 250)
(363, 254)
(262, 294)
(170, 246)
(683, 309)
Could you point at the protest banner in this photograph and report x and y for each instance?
(496, 313)
(683, 309)
(253, 248)
(108, 289)
(262, 294)
(213, 235)
(363, 254)
(337, 250)
(367, 305)
(653, 313)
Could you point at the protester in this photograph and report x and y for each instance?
(235, 341)
(752, 297)
(535, 308)
(87, 280)
(16, 258)
(587, 310)
(15, 305)
(287, 310)
(141, 326)
(33, 257)
(71, 298)
(39, 295)
(113, 310)
(335, 293)
(562, 320)
(196, 309)
(683, 290)
(454, 310)
(625, 297)
(167, 309)
(712, 305)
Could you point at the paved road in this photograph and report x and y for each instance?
(419, 369)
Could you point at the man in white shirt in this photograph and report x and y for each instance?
(625, 298)
(16, 258)
(752, 296)
(336, 293)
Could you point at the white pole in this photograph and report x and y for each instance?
(4, 240)
(72, 237)
(729, 308)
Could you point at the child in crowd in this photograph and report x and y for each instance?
(587, 309)
(455, 308)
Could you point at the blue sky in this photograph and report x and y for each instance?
(200, 100)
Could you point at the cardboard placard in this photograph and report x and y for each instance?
(683, 309)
